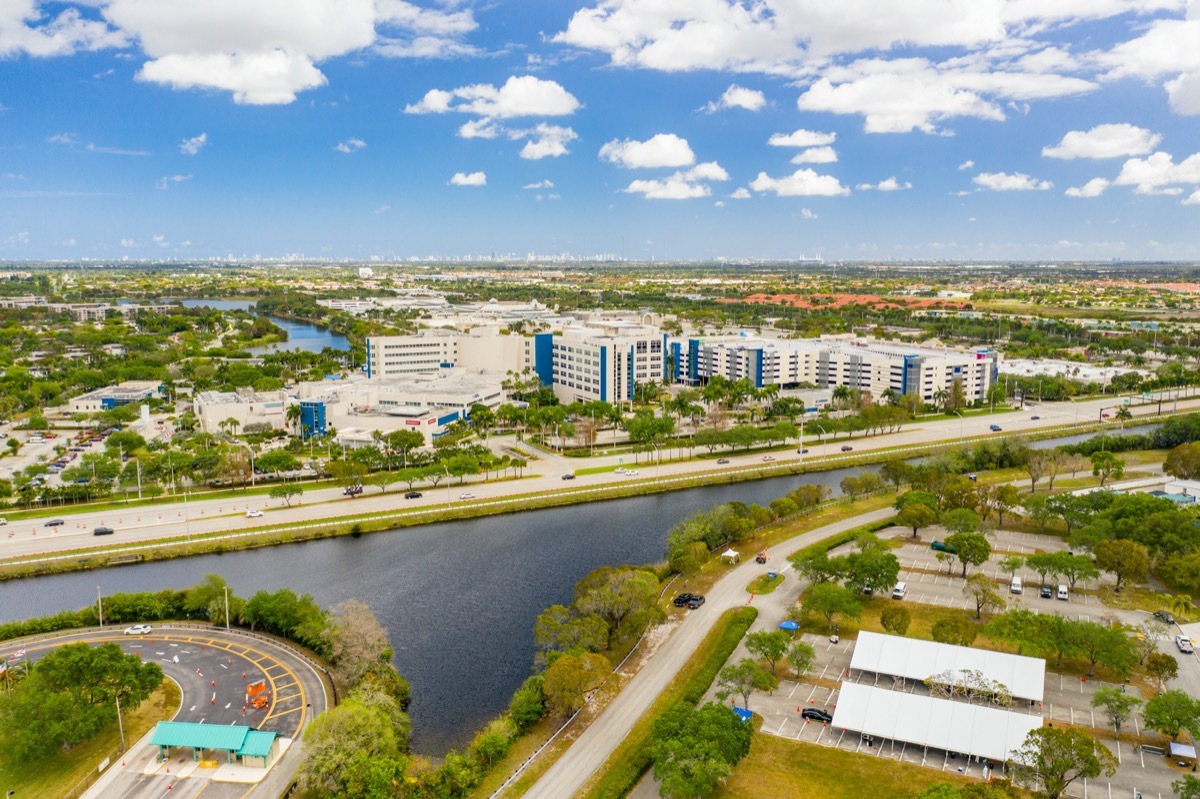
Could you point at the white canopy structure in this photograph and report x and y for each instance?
(732, 555)
(912, 659)
(977, 730)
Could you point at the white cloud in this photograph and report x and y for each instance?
(479, 129)
(128, 243)
(663, 149)
(27, 29)
(889, 184)
(415, 32)
(801, 138)
(518, 97)
(12, 176)
(541, 184)
(383, 209)
(801, 183)
(193, 145)
(68, 139)
(681, 185)
(1159, 174)
(68, 243)
(966, 165)
(1093, 188)
(160, 240)
(816, 155)
(738, 97)
(740, 194)
(1194, 199)
(96, 148)
(1002, 181)
(17, 239)
(1104, 141)
(808, 213)
(547, 141)
(164, 183)
(472, 179)
(350, 145)
(1168, 48)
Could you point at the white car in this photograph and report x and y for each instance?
(466, 495)
(619, 470)
(632, 472)
(3, 522)
(138, 629)
(253, 514)
(1184, 643)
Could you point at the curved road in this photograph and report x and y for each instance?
(212, 667)
(31, 537)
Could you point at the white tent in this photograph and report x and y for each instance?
(912, 659)
(732, 555)
(977, 730)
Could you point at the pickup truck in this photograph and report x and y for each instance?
(1184, 643)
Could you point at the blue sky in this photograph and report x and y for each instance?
(666, 129)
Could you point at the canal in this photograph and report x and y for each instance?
(301, 336)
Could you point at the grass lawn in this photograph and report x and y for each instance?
(764, 583)
(56, 776)
(779, 768)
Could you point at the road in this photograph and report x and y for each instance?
(212, 667)
(165, 520)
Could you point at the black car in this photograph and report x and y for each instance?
(816, 714)
(803, 451)
(1034, 418)
(846, 448)
(568, 476)
(682, 600)
(695, 602)
(413, 495)
(1046, 593)
(55, 523)
(1164, 616)
(722, 461)
(102, 531)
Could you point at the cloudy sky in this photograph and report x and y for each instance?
(667, 129)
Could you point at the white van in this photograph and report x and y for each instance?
(36, 440)
(1015, 585)
(1062, 593)
(900, 590)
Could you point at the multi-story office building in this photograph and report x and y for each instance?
(605, 365)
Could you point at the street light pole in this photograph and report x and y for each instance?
(120, 726)
(226, 607)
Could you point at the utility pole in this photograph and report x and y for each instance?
(120, 724)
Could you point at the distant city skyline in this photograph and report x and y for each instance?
(954, 130)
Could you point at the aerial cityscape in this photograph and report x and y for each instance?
(622, 398)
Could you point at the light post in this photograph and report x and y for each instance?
(120, 727)
(961, 437)
(226, 607)
(100, 607)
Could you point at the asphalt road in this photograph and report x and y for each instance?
(179, 519)
(212, 667)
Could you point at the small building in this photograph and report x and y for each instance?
(1187, 488)
(104, 399)
(253, 747)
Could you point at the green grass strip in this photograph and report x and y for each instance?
(630, 760)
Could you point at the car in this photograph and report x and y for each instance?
(466, 495)
(802, 451)
(722, 461)
(102, 531)
(1184, 644)
(1034, 418)
(138, 629)
(413, 495)
(619, 470)
(1104, 415)
(3, 522)
(995, 428)
(816, 714)
(695, 602)
(1046, 592)
(1164, 617)
(681, 600)
(352, 491)
(633, 472)
(569, 476)
(54, 523)
(253, 514)
(768, 458)
(847, 448)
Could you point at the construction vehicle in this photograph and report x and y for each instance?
(257, 696)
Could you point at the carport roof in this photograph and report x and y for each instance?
(199, 736)
(258, 744)
(925, 721)
(913, 659)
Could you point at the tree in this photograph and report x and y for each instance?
(874, 568)
(1170, 712)
(973, 549)
(695, 748)
(1006, 499)
(569, 678)
(1162, 668)
(357, 641)
(1011, 564)
(1116, 704)
(1019, 626)
(342, 742)
(1040, 512)
(980, 589)
(743, 679)
(347, 474)
(896, 471)
(1057, 757)
(925, 498)
(954, 630)
(961, 520)
(1107, 466)
(1128, 561)
(286, 492)
(895, 620)
(559, 629)
(831, 601)
(800, 657)
(404, 442)
(1076, 567)
(916, 516)
(1035, 467)
(1183, 462)
(771, 646)
(1186, 787)
(1044, 564)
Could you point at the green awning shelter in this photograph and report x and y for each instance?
(234, 741)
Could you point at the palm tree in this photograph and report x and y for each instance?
(229, 426)
(1123, 415)
(939, 398)
(1181, 605)
(293, 414)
